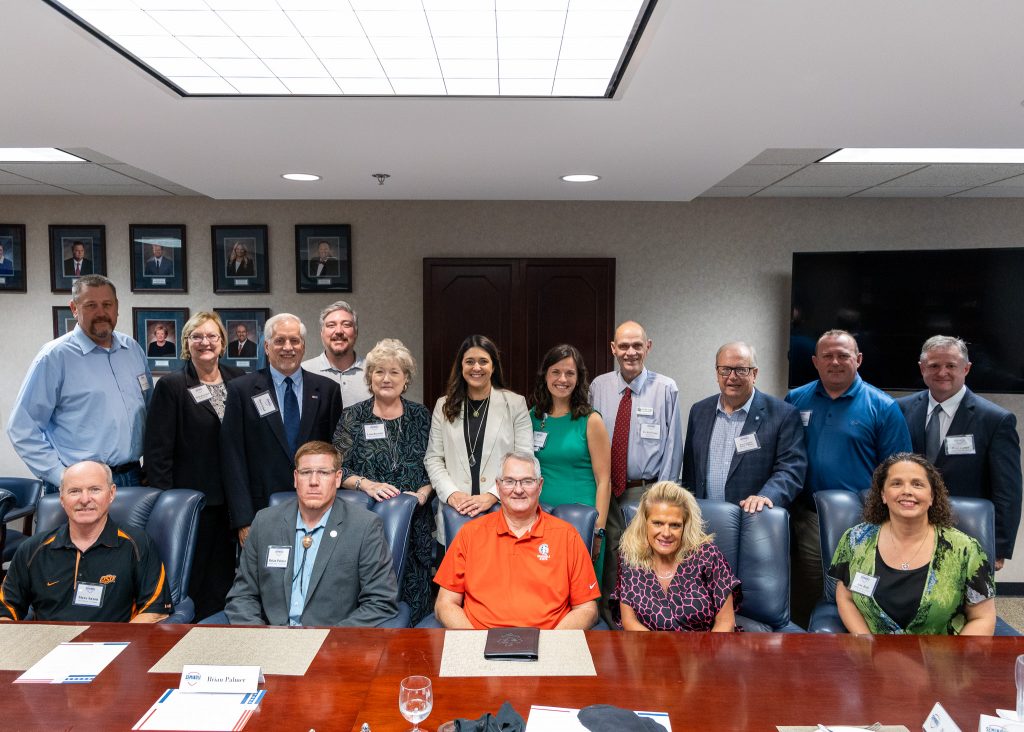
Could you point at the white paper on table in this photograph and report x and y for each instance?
(562, 719)
(72, 663)
(205, 712)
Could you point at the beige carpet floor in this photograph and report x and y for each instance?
(1011, 609)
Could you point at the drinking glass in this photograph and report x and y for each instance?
(1018, 675)
(415, 700)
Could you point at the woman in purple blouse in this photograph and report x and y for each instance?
(671, 574)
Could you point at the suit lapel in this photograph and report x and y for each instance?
(702, 446)
(192, 380)
(275, 420)
(328, 544)
(915, 421)
(288, 539)
(755, 418)
(310, 405)
(497, 413)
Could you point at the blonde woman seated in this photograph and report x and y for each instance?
(906, 569)
(671, 574)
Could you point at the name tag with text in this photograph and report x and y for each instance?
(960, 444)
(650, 431)
(863, 584)
(746, 443)
(375, 431)
(88, 594)
(277, 557)
(201, 393)
(264, 404)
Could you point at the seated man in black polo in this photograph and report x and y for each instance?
(88, 569)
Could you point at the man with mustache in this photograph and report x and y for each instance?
(339, 328)
(85, 395)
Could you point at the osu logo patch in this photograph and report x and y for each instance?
(107, 579)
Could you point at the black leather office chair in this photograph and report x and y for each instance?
(756, 546)
(171, 518)
(26, 493)
(7, 503)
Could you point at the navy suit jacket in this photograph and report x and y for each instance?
(255, 458)
(165, 268)
(992, 472)
(776, 469)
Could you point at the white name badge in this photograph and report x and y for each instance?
(277, 557)
(375, 431)
(201, 393)
(746, 443)
(159, 281)
(960, 444)
(220, 679)
(539, 440)
(143, 382)
(650, 431)
(645, 411)
(88, 594)
(863, 584)
(805, 416)
(264, 404)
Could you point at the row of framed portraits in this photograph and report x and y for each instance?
(158, 255)
(158, 331)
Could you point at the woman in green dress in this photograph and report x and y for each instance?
(570, 439)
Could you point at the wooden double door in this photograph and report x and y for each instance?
(526, 306)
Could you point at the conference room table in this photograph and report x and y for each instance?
(708, 681)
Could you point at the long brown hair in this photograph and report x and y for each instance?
(455, 393)
(940, 513)
(579, 400)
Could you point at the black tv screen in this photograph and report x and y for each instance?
(893, 300)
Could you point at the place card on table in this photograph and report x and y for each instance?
(176, 710)
(72, 663)
(196, 678)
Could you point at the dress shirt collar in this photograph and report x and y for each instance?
(322, 363)
(855, 387)
(745, 409)
(636, 385)
(950, 405)
(87, 344)
(278, 378)
(107, 537)
(300, 525)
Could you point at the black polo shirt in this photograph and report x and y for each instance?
(114, 580)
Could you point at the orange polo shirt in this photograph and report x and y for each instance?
(530, 581)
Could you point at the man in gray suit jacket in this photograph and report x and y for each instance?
(316, 560)
(744, 446)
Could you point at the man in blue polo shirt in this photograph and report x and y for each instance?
(849, 428)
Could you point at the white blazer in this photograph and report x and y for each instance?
(508, 429)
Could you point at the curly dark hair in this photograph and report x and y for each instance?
(457, 387)
(940, 513)
(579, 400)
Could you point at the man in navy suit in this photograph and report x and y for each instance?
(159, 265)
(268, 414)
(974, 443)
(742, 445)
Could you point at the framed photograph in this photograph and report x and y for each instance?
(158, 331)
(157, 254)
(63, 320)
(244, 327)
(12, 258)
(323, 258)
(76, 251)
(241, 261)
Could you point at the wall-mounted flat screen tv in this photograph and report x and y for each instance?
(893, 300)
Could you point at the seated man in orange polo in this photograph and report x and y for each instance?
(517, 567)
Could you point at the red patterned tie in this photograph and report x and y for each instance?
(620, 443)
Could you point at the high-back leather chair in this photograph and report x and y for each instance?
(170, 518)
(26, 492)
(756, 546)
(7, 502)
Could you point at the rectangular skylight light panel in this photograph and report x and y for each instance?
(366, 87)
(592, 48)
(289, 5)
(191, 23)
(386, 4)
(259, 23)
(401, 23)
(482, 47)
(279, 47)
(528, 48)
(79, 6)
(203, 85)
(418, 68)
(312, 86)
(341, 47)
(257, 86)
(472, 87)
(418, 87)
(239, 67)
(220, 5)
(531, 24)
(297, 68)
(447, 23)
(217, 47)
(326, 23)
(123, 22)
(175, 4)
(479, 68)
(584, 23)
(527, 69)
(37, 155)
(181, 66)
(569, 69)
(403, 47)
(154, 46)
(365, 68)
(579, 87)
(925, 155)
(525, 87)
(487, 5)
(559, 5)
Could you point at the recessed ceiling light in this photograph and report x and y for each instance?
(37, 155)
(300, 176)
(580, 178)
(924, 155)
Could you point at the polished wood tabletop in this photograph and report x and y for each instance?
(744, 681)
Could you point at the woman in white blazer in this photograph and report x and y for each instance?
(474, 425)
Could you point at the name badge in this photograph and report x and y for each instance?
(88, 594)
(960, 444)
(805, 416)
(264, 404)
(864, 584)
(201, 393)
(277, 557)
(539, 440)
(375, 431)
(645, 411)
(746, 443)
(143, 382)
(650, 431)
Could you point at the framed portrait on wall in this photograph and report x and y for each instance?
(241, 260)
(244, 327)
(158, 331)
(76, 251)
(157, 254)
(323, 258)
(63, 320)
(12, 258)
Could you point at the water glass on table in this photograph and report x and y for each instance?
(415, 700)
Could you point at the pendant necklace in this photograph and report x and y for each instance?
(477, 407)
(906, 565)
(476, 440)
(670, 575)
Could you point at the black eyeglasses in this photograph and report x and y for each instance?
(741, 371)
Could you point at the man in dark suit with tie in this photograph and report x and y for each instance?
(241, 347)
(159, 265)
(972, 441)
(742, 445)
(325, 264)
(78, 265)
(268, 414)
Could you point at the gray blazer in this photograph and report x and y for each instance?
(353, 581)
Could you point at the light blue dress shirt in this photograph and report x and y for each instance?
(655, 402)
(280, 387)
(723, 446)
(80, 401)
(300, 580)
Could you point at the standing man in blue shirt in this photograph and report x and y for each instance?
(84, 396)
(849, 428)
(640, 408)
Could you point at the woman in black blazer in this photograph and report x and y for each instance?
(182, 450)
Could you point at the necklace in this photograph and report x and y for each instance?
(392, 445)
(476, 440)
(477, 407)
(906, 564)
(670, 575)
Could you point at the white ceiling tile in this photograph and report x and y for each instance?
(791, 155)
(366, 87)
(32, 189)
(327, 23)
(419, 68)
(401, 23)
(960, 174)
(312, 86)
(758, 175)
(418, 87)
(259, 23)
(845, 175)
(531, 24)
(470, 69)
(481, 47)
(528, 48)
(601, 69)
(68, 173)
(298, 68)
(368, 68)
(462, 24)
(257, 86)
(217, 47)
(153, 46)
(591, 48)
(191, 23)
(730, 192)
(347, 47)
(472, 87)
(588, 24)
(100, 190)
(387, 47)
(527, 69)
(525, 87)
(894, 192)
(123, 22)
(579, 87)
(183, 66)
(793, 192)
(203, 85)
(239, 67)
(279, 47)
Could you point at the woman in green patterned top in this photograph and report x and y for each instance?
(907, 570)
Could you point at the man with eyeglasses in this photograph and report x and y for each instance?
(268, 414)
(742, 445)
(315, 559)
(517, 567)
(850, 427)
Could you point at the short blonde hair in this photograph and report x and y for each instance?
(204, 316)
(634, 548)
(390, 349)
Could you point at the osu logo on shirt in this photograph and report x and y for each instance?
(544, 552)
(107, 579)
